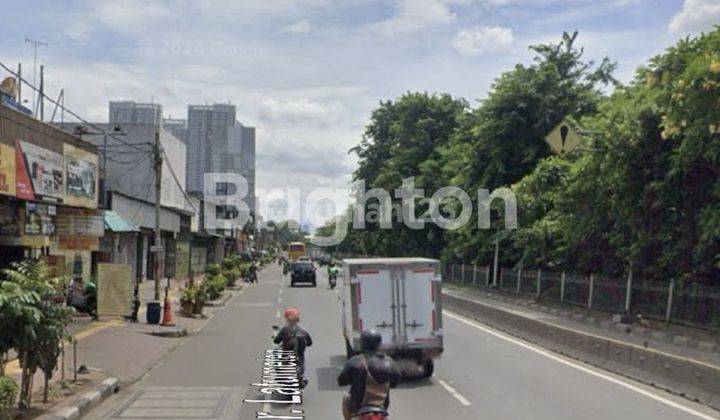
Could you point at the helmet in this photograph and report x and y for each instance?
(370, 340)
(292, 314)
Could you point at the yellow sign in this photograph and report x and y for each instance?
(564, 138)
(114, 289)
(7, 170)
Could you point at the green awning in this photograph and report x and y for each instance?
(115, 223)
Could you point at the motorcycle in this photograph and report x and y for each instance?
(332, 280)
(252, 277)
(372, 413)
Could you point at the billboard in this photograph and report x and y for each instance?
(81, 176)
(45, 170)
(7, 170)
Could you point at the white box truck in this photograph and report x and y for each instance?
(400, 298)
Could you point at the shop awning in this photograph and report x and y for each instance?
(115, 223)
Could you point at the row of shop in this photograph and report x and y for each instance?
(49, 209)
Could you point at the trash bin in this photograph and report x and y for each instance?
(153, 313)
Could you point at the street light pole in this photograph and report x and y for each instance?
(158, 236)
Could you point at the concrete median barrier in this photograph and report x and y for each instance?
(683, 376)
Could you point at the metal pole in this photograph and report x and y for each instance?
(590, 292)
(671, 291)
(628, 290)
(104, 171)
(562, 287)
(452, 276)
(495, 263)
(539, 276)
(41, 99)
(19, 83)
(462, 273)
(474, 274)
(487, 275)
(519, 277)
(158, 235)
(75, 368)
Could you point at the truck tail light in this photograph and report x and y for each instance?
(434, 321)
(432, 291)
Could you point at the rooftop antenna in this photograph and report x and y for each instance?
(35, 44)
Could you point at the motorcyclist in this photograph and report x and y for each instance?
(332, 272)
(296, 338)
(252, 272)
(370, 375)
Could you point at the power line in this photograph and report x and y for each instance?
(69, 111)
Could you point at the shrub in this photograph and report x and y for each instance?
(8, 392)
(213, 270)
(215, 285)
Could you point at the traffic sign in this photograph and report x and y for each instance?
(563, 138)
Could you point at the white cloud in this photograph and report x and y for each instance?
(412, 16)
(301, 27)
(302, 111)
(131, 16)
(695, 16)
(483, 39)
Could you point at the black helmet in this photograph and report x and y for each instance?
(370, 340)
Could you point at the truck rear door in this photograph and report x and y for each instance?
(417, 293)
(373, 294)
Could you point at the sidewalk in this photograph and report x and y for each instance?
(685, 342)
(115, 347)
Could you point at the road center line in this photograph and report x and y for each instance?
(577, 366)
(464, 401)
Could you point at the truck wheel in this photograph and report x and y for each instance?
(428, 368)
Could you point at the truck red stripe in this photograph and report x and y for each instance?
(424, 270)
(367, 271)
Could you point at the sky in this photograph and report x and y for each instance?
(308, 73)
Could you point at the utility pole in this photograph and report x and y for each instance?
(35, 44)
(42, 93)
(158, 237)
(19, 83)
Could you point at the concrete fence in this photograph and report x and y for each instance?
(683, 303)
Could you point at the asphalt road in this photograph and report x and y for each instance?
(483, 374)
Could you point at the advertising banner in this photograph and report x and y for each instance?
(80, 222)
(39, 219)
(45, 170)
(7, 170)
(114, 289)
(81, 176)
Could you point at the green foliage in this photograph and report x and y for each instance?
(215, 286)
(33, 323)
(8, 392)
(641, 193)
(213, 270)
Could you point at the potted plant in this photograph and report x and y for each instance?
(200, 299)
(188, 298)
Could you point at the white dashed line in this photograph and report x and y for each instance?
(579, 367)
(464, 401)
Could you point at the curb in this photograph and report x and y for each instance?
(87, 401)
(687, 377)
(219, 302)
(172, 332)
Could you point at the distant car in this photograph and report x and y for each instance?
(302, 272)
(324, 260)
(305, 259)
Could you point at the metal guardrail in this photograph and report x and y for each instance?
(688, 304)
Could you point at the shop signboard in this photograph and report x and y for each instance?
(45, 170)
(7, 170)
(80, 222)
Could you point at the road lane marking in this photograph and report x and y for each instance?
(277, 314)
(579, 367)
(279, 299)
(454, 393)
